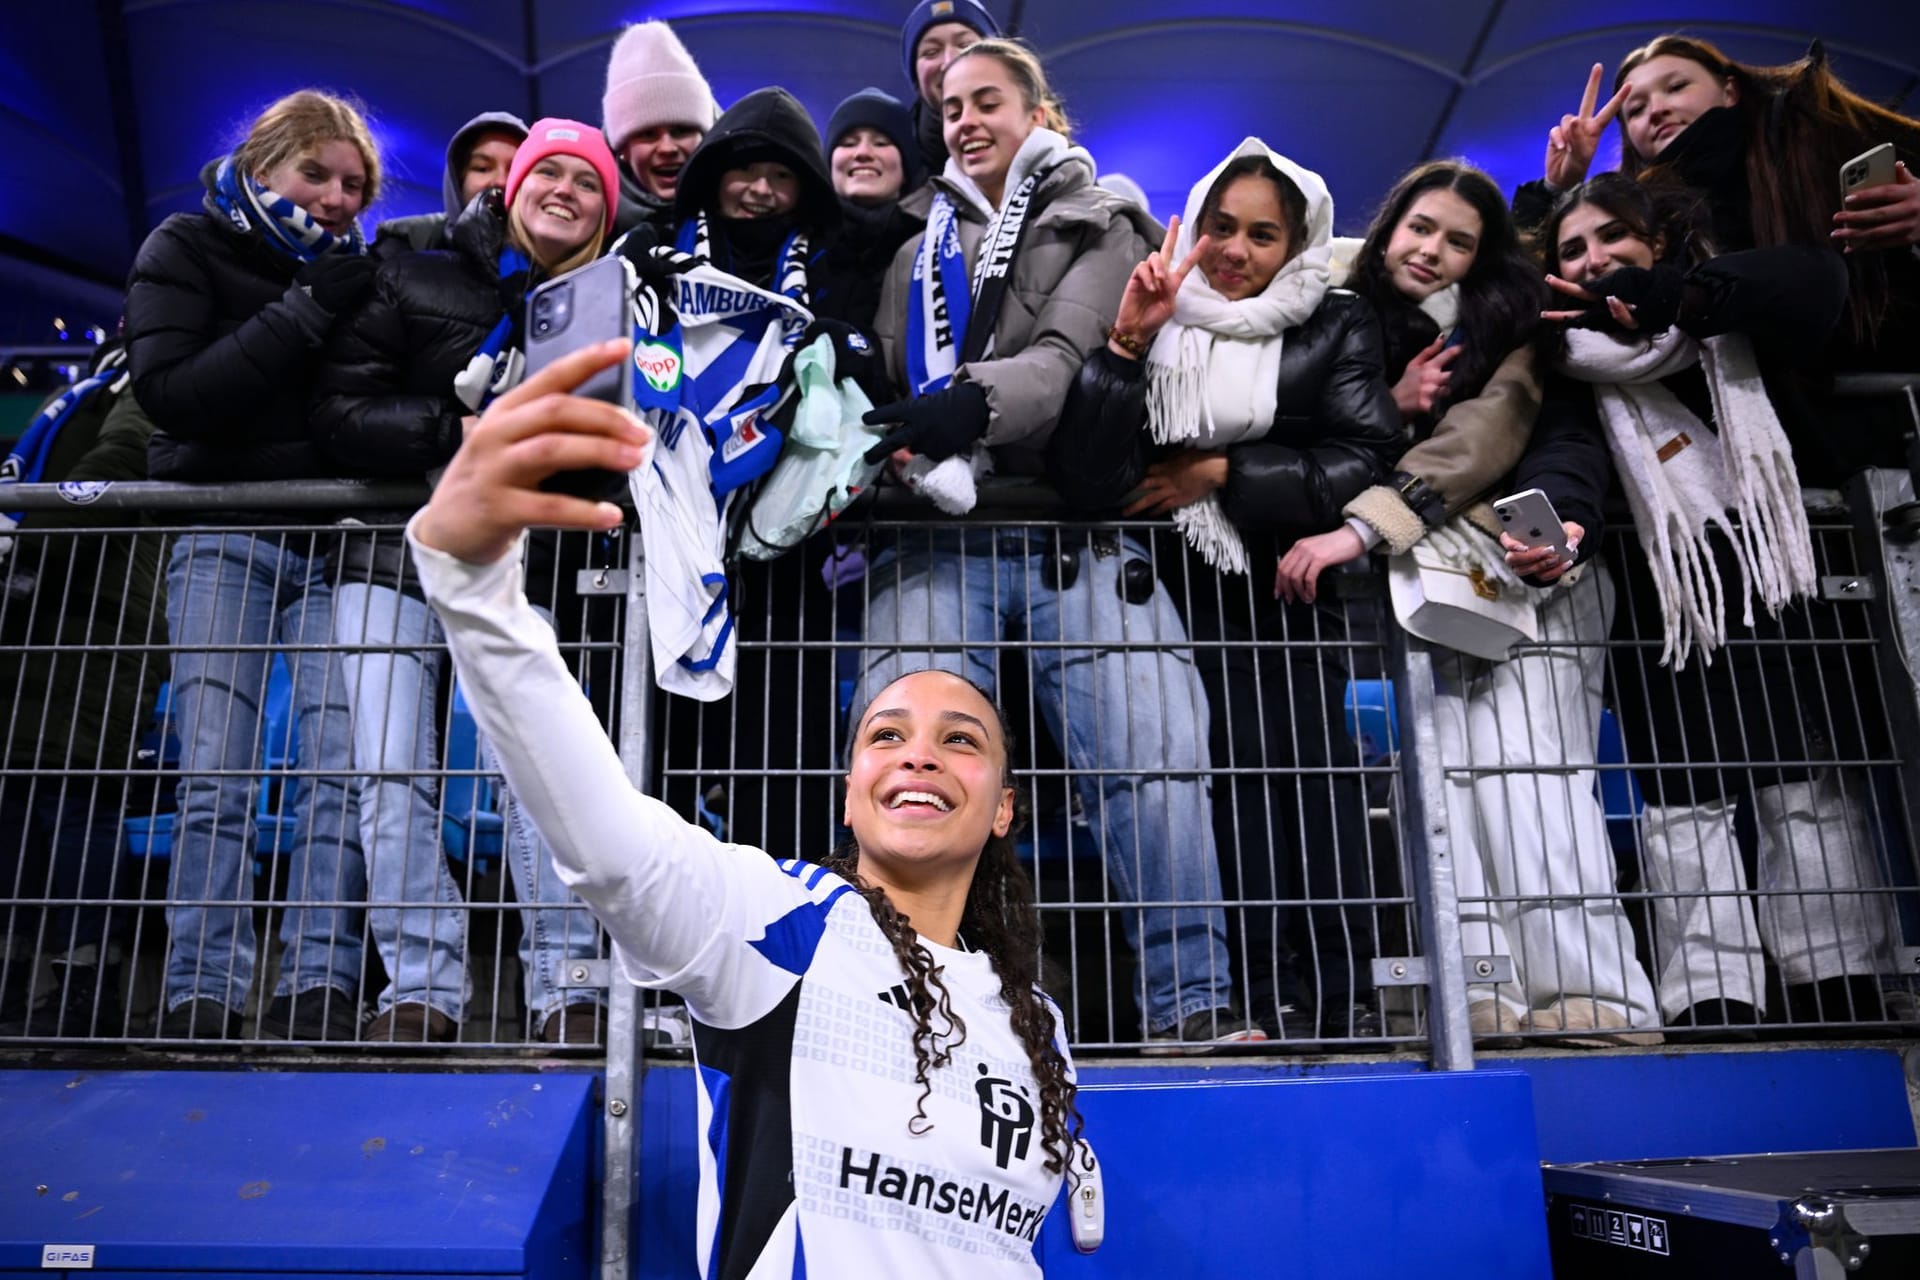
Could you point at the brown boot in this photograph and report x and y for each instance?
(1583, 1013)
(575, 1025)
(1493, 1025)
(411, 1024)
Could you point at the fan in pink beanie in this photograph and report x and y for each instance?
(557, 137)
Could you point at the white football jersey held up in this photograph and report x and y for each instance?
(803, 1019)
(698, 357)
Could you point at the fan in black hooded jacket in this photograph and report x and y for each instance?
(435, 230)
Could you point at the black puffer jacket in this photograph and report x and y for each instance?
(846, 278)
(1335, 432)
(384, 403)
(224, 347)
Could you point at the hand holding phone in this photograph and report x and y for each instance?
(1879, 203)
(1529, 518)
(1872, 168)
(581, 309)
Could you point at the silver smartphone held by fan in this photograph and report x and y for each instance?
(1529, 517)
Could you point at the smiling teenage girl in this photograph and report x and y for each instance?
(227, 312)
(441, 335)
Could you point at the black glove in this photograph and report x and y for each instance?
(338, 281)
(937, 426)
(855, 355)
(1654, 294)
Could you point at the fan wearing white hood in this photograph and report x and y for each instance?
(1243, 395)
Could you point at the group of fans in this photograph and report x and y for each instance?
(1295, 403)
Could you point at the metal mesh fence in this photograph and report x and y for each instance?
(244, 803)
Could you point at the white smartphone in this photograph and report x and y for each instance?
(1529, 516)
(1869, 169)
(1086, 1201)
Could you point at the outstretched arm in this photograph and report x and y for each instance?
(682, 908)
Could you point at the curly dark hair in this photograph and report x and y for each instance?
(1000, 920)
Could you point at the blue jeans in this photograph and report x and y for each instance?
(1131, 722)
(239, 589)
(392, 659)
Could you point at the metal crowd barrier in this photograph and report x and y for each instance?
(1228, 800)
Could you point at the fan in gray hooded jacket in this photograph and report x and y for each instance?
(478, 157)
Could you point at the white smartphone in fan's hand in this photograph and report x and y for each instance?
(1868, 169)
(1530, 518)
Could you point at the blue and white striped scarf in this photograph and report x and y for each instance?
(252, 206)
(27, 463)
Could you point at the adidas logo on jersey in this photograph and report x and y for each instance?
(901, 998)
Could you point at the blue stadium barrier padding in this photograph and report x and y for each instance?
(315, 1173)
(1599, 1106)
(1264, 1173)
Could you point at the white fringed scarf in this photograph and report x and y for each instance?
(1679, 484)
(1214, 371)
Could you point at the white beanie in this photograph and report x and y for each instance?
(652, 79)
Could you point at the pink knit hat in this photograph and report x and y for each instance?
(652, 79)
(556, 137)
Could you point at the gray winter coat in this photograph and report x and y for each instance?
(1067, 282)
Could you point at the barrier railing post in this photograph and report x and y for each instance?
(1892, 590)
(626, 1066)
(1423, 833)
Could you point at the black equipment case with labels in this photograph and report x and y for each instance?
(1808, 1215)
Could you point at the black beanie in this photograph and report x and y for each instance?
(875, 109)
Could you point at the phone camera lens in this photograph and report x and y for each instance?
(1506, 517)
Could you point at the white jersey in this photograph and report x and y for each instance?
(802, 1016)
(728, 341)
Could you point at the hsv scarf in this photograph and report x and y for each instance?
(27, 464)
(499, 363)
(1682, 478)
(252, 206)
(1213, 374)
(950, 317)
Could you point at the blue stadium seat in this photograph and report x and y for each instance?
(1372, 720)
(1620, 798)
(280, 749)
(150, 834)
(470, 825)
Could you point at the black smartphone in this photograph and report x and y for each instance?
(587, 305)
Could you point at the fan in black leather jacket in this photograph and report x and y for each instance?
(1335, 432)
(384, 404)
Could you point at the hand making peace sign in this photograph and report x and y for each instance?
(1572, 142)
(1147, 304)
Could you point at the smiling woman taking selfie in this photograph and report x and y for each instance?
(859, 1027)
